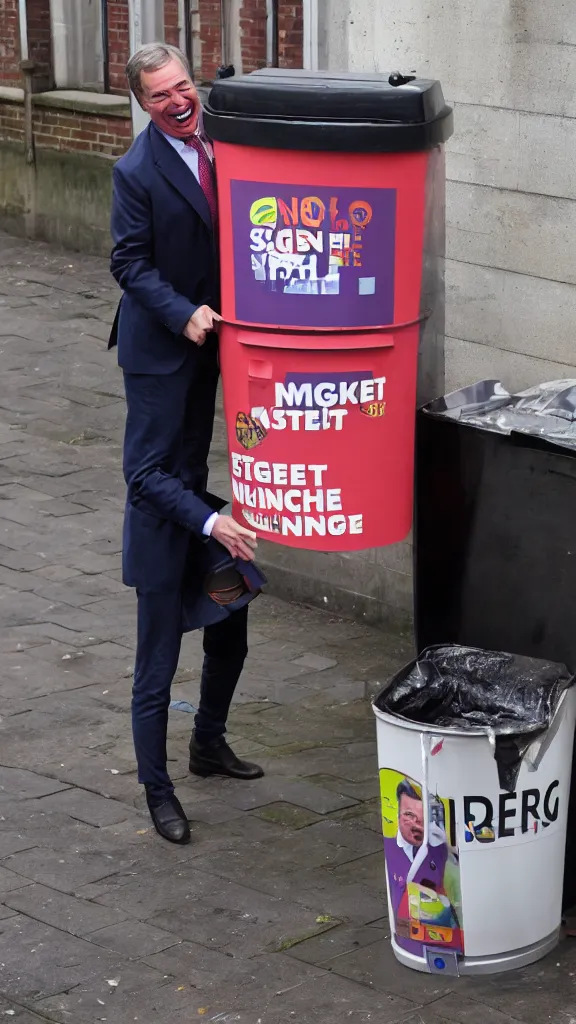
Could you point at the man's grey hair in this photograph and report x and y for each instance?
(152, 57)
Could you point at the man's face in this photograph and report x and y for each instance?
(411, 820)
(170, 98)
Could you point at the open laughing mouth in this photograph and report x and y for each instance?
(184, 116)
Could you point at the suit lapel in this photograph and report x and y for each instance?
(172, 166)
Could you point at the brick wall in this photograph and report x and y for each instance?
(171, 30)
(207, 32)
(68, 131)
(253, 34)
(290, 34)
(40, 42)
(9, 43)
(118, 45)
(111, 135)
(210, 40)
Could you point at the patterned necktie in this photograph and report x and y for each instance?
(206, 177)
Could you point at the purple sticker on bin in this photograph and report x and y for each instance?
(313, 257)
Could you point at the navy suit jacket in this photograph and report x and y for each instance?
(164, 255)
(164, 259)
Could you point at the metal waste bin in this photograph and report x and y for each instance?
(331, 199)
(474, 855)
(494, 549)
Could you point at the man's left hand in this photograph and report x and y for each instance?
(239, 542)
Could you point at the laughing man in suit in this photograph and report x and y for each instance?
(164, 227)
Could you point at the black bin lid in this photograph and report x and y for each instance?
(322, 110)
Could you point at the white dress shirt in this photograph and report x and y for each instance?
(190, 158)
(188, 154)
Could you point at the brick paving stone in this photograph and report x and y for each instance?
(251, 989)
(315, 661)
(274, 995)
(133, 938)
(341, 833)
(239, 920)
(6, 912)
(212, 812)
(196, 963)
(94, 998)
(462, 1010)
(375, 967)
(21, 561)
(39, 961)
(12, 1012)
(17, 579)
(20, 784)
(336, 943)
(137, 996)
(66, 870)
(160, 892)
(77, 916)
(277, 866)
(366, 790)
(353, 902)
(88, 807)
(9, 880)
(545, 991)
(13, 842)
(287, 814)
(301, 793)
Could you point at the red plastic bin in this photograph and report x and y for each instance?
(331, 246)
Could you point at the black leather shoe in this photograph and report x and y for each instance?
(170, 821)
(218, 759)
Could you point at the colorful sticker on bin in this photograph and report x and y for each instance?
(310, 402)
(313, 257)
(295, 499)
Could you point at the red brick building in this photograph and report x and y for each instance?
(92, 120)
(55, 161)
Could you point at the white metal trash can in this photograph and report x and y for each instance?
(474, 884)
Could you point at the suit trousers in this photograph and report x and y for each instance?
(158, 650)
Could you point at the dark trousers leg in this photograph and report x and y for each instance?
(157, 653)
(225, 650)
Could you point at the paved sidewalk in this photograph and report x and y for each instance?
(276, 912)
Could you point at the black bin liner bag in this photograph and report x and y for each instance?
(512, 698)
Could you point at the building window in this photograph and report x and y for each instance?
(152, 21)
(77, 44)
(80, 51)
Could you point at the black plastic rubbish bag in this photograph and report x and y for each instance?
(511, 697)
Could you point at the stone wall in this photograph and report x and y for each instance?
(9, 43)
(509, 69)
(64, 198)
(69, 121)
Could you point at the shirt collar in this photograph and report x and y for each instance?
(177, 143)
(407, 847)
(180, 144)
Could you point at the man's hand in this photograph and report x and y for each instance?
(240, 542)
(202, 321)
